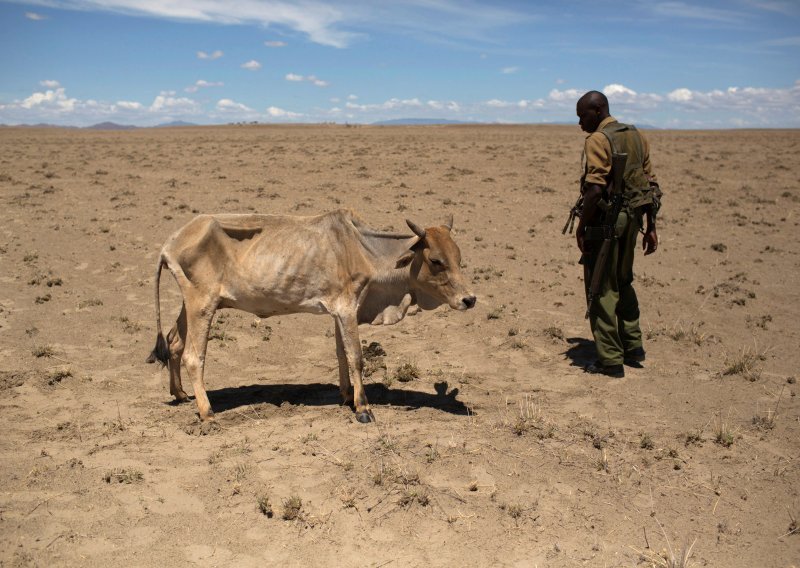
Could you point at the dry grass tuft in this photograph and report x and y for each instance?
(746, 364)
(724, 435)
(265, 506)
(123, 475)
(406, 372)
(292, 508)
(43, 351)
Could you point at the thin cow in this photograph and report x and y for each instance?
(272, 265)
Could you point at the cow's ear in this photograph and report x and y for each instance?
(405, 259)
(448, 223)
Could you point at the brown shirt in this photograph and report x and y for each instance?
(597, 156)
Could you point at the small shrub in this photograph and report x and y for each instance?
(406, 372)
(723, 434)
(554, 332)
(265, 506)
(57, 376)
(746, 364)
(291, 508)
(122, 475)
(43, 351)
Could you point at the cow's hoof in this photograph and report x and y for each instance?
(181, 397)
(364, 417)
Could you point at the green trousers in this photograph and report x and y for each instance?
(614, 316)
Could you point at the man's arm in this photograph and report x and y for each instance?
(591, 195)
(598, 166)
(650, 239)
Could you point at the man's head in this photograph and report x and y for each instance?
(592, 108)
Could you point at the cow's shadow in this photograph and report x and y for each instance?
(581, 352)
(327, 394)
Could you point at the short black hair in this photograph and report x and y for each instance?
(595, 98)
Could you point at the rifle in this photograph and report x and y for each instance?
(574, 212)
(616, 189)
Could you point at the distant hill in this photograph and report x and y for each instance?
(110, 126)
(419, 121)
(39, 125)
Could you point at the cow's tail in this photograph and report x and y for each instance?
(161, 350)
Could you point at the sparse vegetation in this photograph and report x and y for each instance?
(123, 475)
(723, 434)
(43, 351)
(746, 364)
(292, 508)
(406, 372)
(554, 332)
(58, 375)
(264, 505)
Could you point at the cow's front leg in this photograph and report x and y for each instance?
(347, 336)
(344, 368)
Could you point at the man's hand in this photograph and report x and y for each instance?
(650, 241)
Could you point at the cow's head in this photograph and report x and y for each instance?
(435, 272)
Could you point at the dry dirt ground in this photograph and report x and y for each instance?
(501, 451)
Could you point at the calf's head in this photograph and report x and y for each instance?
(435, 271)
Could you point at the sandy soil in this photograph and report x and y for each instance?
(501, 452)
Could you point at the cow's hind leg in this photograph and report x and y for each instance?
(347, 326)
(344, 371)
(176, 339)
(198, 322)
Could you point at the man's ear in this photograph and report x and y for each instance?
(405, 259)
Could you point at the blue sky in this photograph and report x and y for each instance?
(671, 64)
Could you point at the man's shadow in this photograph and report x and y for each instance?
(581, 352)
(327, 394)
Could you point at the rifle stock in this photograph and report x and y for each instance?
(615, 191)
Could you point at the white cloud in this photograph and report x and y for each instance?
(793, 41)
(214, 55)
(390, 104)
(129, 105)
(615, 89)
(50, 84)
(696, 12)
(680, 95)
(497, 103)
(569, 95)
(52, 99)
(275, 43)
(252, 65)
(169, 103)
(35, 16)
(509, 70)
(201, 84)
(352, 97)
(229, 105)
(276, 112)
(310, 78)
(317, 19)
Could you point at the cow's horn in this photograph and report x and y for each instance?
(414, 227)
(449, 222)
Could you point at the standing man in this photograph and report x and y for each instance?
(614, 312)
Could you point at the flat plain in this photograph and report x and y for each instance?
(491, 447)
